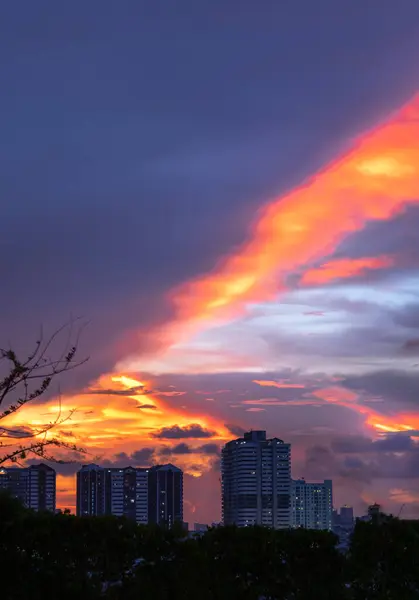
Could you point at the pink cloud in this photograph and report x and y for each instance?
(281, 384)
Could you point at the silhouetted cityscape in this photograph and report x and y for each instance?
(256, 489)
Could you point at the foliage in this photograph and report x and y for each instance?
(383, 560)
(26, 379)
(61, 556)
(46, 556)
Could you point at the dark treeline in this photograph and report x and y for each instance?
(60, 557)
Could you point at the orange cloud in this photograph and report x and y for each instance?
(344, 268)
(278, 384)
(66, 492)
(392, 424)
(403, 496)
(374, 181)
(381, 423)
(108, 421)
(338, 395)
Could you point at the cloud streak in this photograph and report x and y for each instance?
(344, 268)
(278, 384)
(373, 182)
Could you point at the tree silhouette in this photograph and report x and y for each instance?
(26, 379)
(46, 555)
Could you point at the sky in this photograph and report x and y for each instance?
(228, 195)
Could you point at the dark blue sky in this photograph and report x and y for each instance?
(138, 139)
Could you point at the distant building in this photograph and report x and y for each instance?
(374, 511)
(200, 527)
(346, 516)
(343, 525)
(256, 481)
(165, 495)
(311, 504)
(35, 486)
(153, 494)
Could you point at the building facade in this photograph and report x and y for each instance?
(256, 481)
(35, 486)
(127, 490)
(165, 495)
(91, 497)
(153, 494)
(312, 504)
(113, 491)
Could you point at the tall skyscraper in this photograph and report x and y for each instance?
(256, 481)
(311, 504)
(35, 486)
(153, 494)
(165, 495)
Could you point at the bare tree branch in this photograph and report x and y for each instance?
(27, 380)
(40, 449)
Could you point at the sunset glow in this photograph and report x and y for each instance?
(294, 247)
(344, 268)
(374, 181)
(278, 384)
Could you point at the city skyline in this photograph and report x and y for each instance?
(256, 489)
(147, 495)
(254, 469)
(227, 195)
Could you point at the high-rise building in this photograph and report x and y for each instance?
(165, 495)
(15, 481)
(311, 504)
(153, 494)
(127, 493)
(113, 491)
(256, 481)
(35, 486)
(91, 497)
